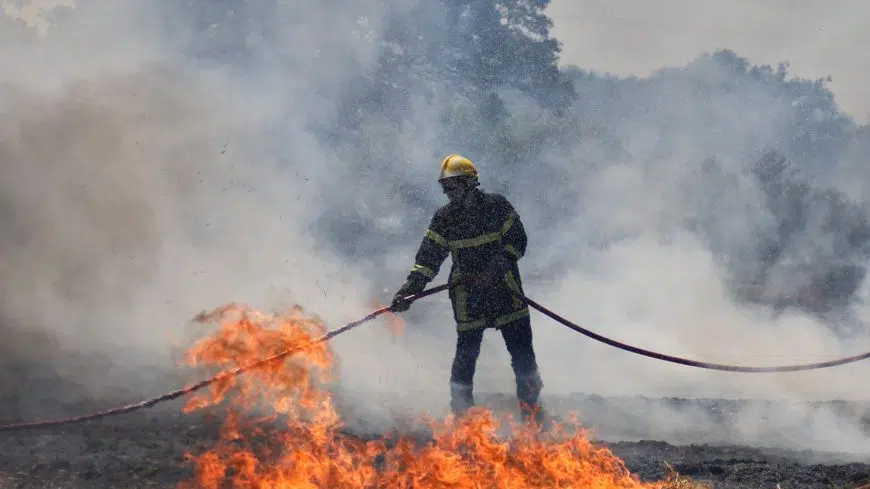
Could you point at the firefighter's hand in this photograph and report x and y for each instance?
(400, 304)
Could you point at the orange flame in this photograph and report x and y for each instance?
(298, 444)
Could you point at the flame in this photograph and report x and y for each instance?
(281, 430)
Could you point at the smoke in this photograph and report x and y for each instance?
(143, 184)
(161, 159)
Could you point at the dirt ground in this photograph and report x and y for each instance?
(146, 449)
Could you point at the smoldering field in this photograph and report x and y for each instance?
(144, 181)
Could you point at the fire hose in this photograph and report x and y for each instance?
(372, 315)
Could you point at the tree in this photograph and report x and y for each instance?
(820, 244)
(507, 44)
(470, 49)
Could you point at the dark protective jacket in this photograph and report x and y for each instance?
(474, 236)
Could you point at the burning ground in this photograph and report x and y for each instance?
(280, 426)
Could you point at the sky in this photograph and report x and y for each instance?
(817, 39)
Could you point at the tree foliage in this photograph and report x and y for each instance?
(822, 272)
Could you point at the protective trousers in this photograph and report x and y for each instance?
(517, 337)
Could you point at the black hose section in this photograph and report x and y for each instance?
(217, 378)
(684, 361)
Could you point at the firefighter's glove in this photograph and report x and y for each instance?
(400, 303)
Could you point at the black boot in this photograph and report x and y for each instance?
(528, 390)
(461, 398)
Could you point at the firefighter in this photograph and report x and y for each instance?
(485, 238)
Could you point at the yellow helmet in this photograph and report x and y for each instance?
(455, 165)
